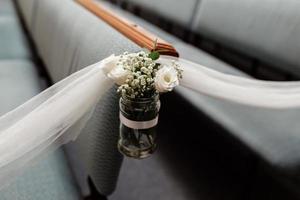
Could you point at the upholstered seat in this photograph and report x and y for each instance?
(170, 10)
(50, 177)
(19, 81)
(267, 30)
(12, 40)
(7, 8)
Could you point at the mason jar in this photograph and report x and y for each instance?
(138, 121)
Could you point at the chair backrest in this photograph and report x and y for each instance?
(6, 8)
(180, 12)
(28, 11)
(264, 29)
(56, 38)
(68, 38)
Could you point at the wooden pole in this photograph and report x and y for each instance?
(134, 32)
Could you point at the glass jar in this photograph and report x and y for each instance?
(138, 121)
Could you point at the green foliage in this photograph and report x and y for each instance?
(154, 55)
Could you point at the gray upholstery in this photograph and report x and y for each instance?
(97, 41)
(265, 29)
(272, 134)
(50, 178)
(149, 179)
(267, 132)
(68, 41)
(19, 82)
(102, 159)
(44, 30)
(12, 40)
(7, 8)
(180, 12)
(56, 38)
(97, 144)
(27, 8)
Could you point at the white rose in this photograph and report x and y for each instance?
(109, 63)
(166, 79)
(114, 71)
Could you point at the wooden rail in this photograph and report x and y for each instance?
(131, 30)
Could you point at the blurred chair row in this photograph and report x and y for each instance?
(20, 79)
(259, 38)
(209, 148)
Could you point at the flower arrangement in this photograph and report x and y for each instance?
(141, 78)
(139, 75)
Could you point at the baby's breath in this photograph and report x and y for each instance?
(142, 67)
(178, 69)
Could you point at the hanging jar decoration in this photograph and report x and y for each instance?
(141, 80)
(138, 121)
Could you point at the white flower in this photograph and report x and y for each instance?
(118, 74)
(115, 71)
(110, 63)
(166, 79)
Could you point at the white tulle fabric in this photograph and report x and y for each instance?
(57, 115)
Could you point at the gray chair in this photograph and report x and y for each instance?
(66, 47)
(28, 12)
(7, 8)
(170, 10)
(267, 30)
(20, 79)
(12, 40)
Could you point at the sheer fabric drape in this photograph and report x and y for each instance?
(57, 115)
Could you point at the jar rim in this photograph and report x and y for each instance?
(154, 97)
